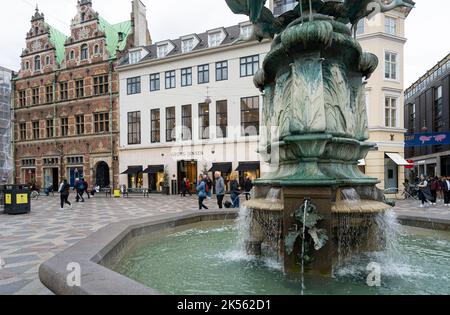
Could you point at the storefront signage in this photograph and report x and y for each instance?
(427, 139)
(186, 154)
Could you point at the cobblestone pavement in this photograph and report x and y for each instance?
(27, 241)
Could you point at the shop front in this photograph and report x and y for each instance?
(51, 177)
(29, 175)
(155, 177)
(135, 176)
(392, 163)
(188, 170)
(249, 169)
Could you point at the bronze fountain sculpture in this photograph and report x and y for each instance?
(315, 130)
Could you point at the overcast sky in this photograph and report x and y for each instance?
(427, 27)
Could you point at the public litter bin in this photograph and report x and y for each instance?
(117, 193)
(16, 199)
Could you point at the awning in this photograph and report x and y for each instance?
(222, 167)
(362, 162)
(154, 169)
(398, 159)
(248, 166)
(133, 170)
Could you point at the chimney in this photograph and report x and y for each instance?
(140, 24)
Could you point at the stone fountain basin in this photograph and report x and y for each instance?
(107, 245)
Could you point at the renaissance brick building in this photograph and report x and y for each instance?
(66, 112)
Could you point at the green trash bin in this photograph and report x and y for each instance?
(16, 199)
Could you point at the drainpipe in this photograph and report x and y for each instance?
(13, 127)
(111, 133)
(60, 173)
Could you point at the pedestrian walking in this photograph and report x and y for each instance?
(209, 187)
(79, 188)
(424, 191)
(64, 192)
(235, 191)
(86, 189)
(188, 187)
(201, 193)
(183, 187)
(446, 190)
(248, 186)
(433, 189)
(220, 189)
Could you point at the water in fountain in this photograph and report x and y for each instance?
(273, 195)
(350, 195)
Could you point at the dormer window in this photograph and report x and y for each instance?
(83, 17)
(187, 45)
(96, 49)
(36, 30)
(72, 55)
(47, 60)
(135, 57)
(215, 39)
(163, 50)
(246, 31)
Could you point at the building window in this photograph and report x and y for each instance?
(37, 63)
(215, 39)
(187, 45)
(163, 50)
(156, 125)
(135, 57)
(63, 91)
(79, 88)
(222, 119)
(22, 98)
(79, 122)
(390, 66)
(170, 79)
(50, 128)
(170, 124)
(72, 55)
(203, 74)
(412, 118)
(35, 96)
(27, 65)
(186, 77)
(360, 28)
(23, 131)
(84, 52)
(390, 25)
(101, 122)
(96, 49)
(134, 128)
(36, 131)
(203, 115)
(250, 116)
(47, 60)
(64, 127)
(249, 65)
(75, 160)
(134, 85)
(49, 93)
(222, 71)
(391, 112)
(438, 110)
(101, 85)
(186, 120)
(246, 31)
(83, 17)
(155, 82)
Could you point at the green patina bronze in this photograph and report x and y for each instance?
(313, 81)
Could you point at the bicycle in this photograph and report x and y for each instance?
(34, 195)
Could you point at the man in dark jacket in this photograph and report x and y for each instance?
(446, 189)
(220, 189)
(248, 186)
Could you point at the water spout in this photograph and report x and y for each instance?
(273, 195)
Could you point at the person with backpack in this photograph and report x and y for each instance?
(79, 188)
(64, 191)
(201, 193)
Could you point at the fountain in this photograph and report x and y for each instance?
(315, 207)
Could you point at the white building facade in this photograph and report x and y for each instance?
(189, 107)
